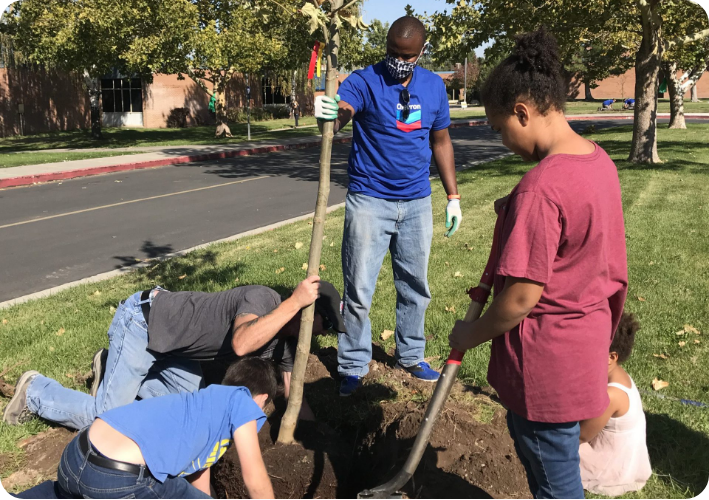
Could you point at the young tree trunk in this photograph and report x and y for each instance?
(295, 400)
(695, 97)
(93, 87)
(676, 97)
(647, 68)
(220, 108)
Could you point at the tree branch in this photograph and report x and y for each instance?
(344, 7)
(682, 40)
(198, 81)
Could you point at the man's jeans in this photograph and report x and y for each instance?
(373, 226)
(78, 478)
(550, 455)
(131, 370)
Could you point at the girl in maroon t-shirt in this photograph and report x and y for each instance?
(561, 272)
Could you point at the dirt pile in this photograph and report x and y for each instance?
(362, 441)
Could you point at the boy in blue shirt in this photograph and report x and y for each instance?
(164, 447)
(608, 104)
(400, 119)
(629, 103)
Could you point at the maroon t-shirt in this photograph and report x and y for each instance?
(564, 228)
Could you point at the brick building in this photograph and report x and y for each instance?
(51, 100)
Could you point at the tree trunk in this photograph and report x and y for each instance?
(220, 108)
(587, 91)
(676, 97)
(647, 68)
(295, 400)
(695, 97)
(93, 87)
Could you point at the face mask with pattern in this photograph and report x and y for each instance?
(401, 70)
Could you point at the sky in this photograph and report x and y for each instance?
(390, 10)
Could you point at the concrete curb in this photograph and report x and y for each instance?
(85, 172)
(118, 272)
(72, 174)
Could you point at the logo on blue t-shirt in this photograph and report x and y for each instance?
(412, 122)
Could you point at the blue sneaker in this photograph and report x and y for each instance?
(422, 371)
(349, 384)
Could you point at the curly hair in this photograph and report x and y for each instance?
(532, 74)
(624, 337)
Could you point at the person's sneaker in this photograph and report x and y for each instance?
(349, 384)
(98, 368)
(422, 371)
(16, 411)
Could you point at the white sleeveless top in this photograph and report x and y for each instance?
(616, 460)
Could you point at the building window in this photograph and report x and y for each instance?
(122, 95)
(272, 94)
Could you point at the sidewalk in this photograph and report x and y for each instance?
(173, 155)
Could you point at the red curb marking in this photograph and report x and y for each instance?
(73, 174)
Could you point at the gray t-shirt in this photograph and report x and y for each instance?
(198, 325)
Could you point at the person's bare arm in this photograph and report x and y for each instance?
(507, 310)
(250, 332)
(619, 403)
(442, 149)
(344, 115)
(253, 470)
(201, 481)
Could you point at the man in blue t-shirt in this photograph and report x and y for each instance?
(164, 447)
(397, 109)
(629, 103)
(608, 104)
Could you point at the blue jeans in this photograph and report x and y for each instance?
(79, 478)
(131, 371)
(550, 455)
(373, 226)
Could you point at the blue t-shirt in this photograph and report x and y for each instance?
(608, 102)
(180, 434)
(629, 101)
(391, 156)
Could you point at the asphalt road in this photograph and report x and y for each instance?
(57, 233)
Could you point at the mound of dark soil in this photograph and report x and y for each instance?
(362, 441)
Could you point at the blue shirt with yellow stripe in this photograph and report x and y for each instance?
(181, 434)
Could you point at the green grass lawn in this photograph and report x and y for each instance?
(666, 209)
(19, 159)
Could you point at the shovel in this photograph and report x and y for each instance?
(479, 296)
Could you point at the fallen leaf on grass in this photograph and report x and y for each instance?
(112, 310)
(4, 321)
(682, 343)
(304, 266)
(387, 333)
(60, 332)
(332, 243)
(652, 263)
(458, 274)
(691, 329)
(279, 271)
(322, 267)
(182, 277)
(661, 356)
(275, 250)
(450, 309)
(236, 280)
(298, 245)
(641, 299)
(679, 333)
(324, 237)
(97, 292)
(696, 341)
(447, 264)
(51, 349)
(658, 384)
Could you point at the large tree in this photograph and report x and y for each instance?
(653, 14)
(96, 37)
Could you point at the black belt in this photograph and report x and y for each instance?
(107, 463)
(145, 306)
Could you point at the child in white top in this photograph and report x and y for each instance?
(614, 457)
